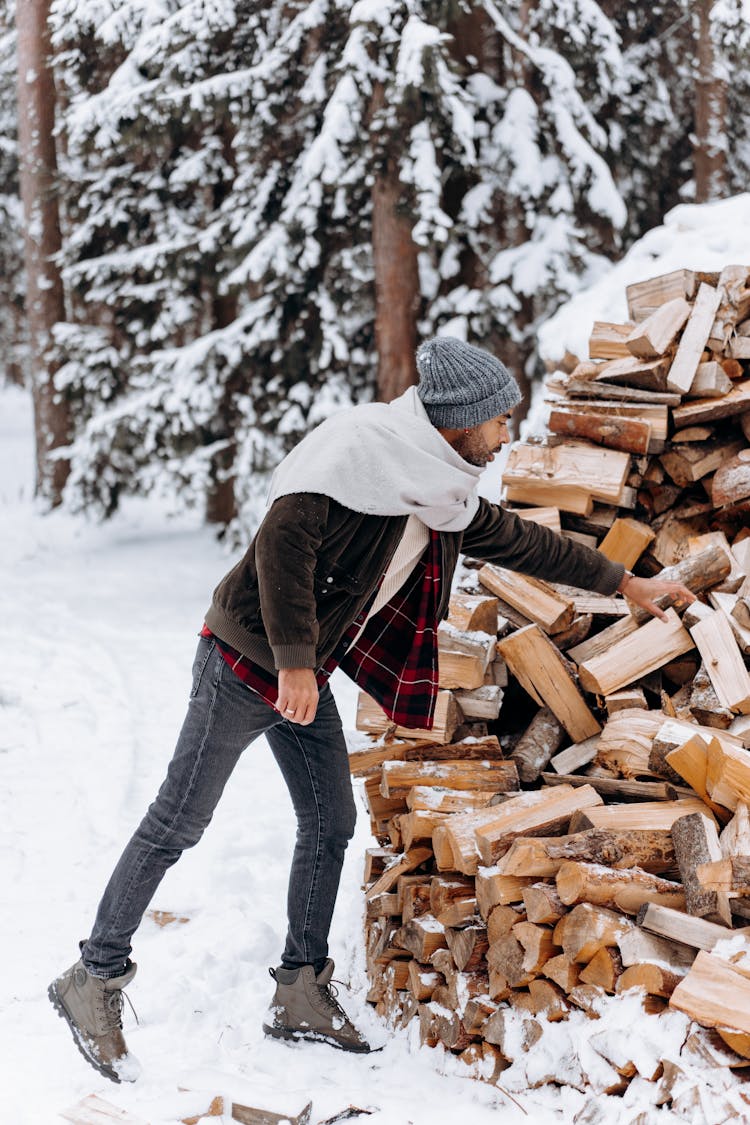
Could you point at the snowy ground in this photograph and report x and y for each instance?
(99, 627)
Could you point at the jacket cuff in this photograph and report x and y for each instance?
(609, 578)
(294, 656)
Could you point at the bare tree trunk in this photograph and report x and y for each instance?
(710, 112)
(396, 287)
(44, 292)
(221, 504)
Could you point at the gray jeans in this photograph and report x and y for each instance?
(224, 717)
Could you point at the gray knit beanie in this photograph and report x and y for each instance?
(461, 386)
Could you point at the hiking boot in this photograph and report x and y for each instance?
(93, 1010)
(305, 1007)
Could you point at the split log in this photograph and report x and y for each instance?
(604, 969)
(563, 971)
(638, 947)
(385, 905)
(608, 341)
(713, 409)
(616, 786)
(506, 956)
(501, 920)
(735, 839)
(461, 912)
(576, 756)
(536, 600)
(415, 857)
(729, 876)
(542, 999)
(626, 541)
(696, 841)
(625, 889)
(690, 761)
(495, 889)
(569, 476)
(538, 944)
(727, 772)
(421, 937)
(650, 850)
(675, 733)
(711, 381)
(649, 374)
(373, 720)
(541, 671)
(433, 798)
(625, 742)
(641, 652)
(587, 929)
(704, 703)
(537, 744)
(551, 808)
(482, 702)
(445, 892)
(648, 815)
(694, 338)
(656, 980)
(473, 613)
(654, 336)
(503, 1031)
(415, 902)
(724, 664)
(468, 946)
(543, 904)
(422, 981)
(731, 482)
(691, 462)
(530, 856)
(644, 296)
(684, 928)
(714, 994)
(626, 434)
(399, 777)
(406, 882)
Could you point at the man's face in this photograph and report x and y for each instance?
(482, 442)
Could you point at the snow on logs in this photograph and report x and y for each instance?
(591, 838)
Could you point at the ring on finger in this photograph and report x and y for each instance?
(288, 712)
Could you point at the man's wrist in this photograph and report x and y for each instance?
(625, 581)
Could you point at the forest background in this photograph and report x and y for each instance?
(220, 220)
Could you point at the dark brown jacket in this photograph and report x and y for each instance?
(313, 565)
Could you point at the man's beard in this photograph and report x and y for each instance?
(473, 448)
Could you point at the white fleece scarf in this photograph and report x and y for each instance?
(384, 459)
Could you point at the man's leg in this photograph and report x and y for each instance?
(223, 717)
(315, 765)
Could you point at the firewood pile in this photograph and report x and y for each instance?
(576, 827)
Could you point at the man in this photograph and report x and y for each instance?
(351, 567)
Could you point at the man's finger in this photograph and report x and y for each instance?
(657, 611)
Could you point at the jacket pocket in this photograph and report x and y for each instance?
(333, 579)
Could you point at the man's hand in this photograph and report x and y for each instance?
(298, 695)
(645, 591)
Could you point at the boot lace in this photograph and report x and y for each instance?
(328, 993)
(111, 1008)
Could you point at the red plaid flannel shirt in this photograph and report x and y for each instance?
(394, 659)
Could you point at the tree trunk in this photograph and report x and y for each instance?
(710, 112)
(44, 292)
(396, 287)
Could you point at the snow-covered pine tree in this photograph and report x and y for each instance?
(267, 203)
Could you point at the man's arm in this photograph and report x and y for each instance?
(498, 536)
(286, 550)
